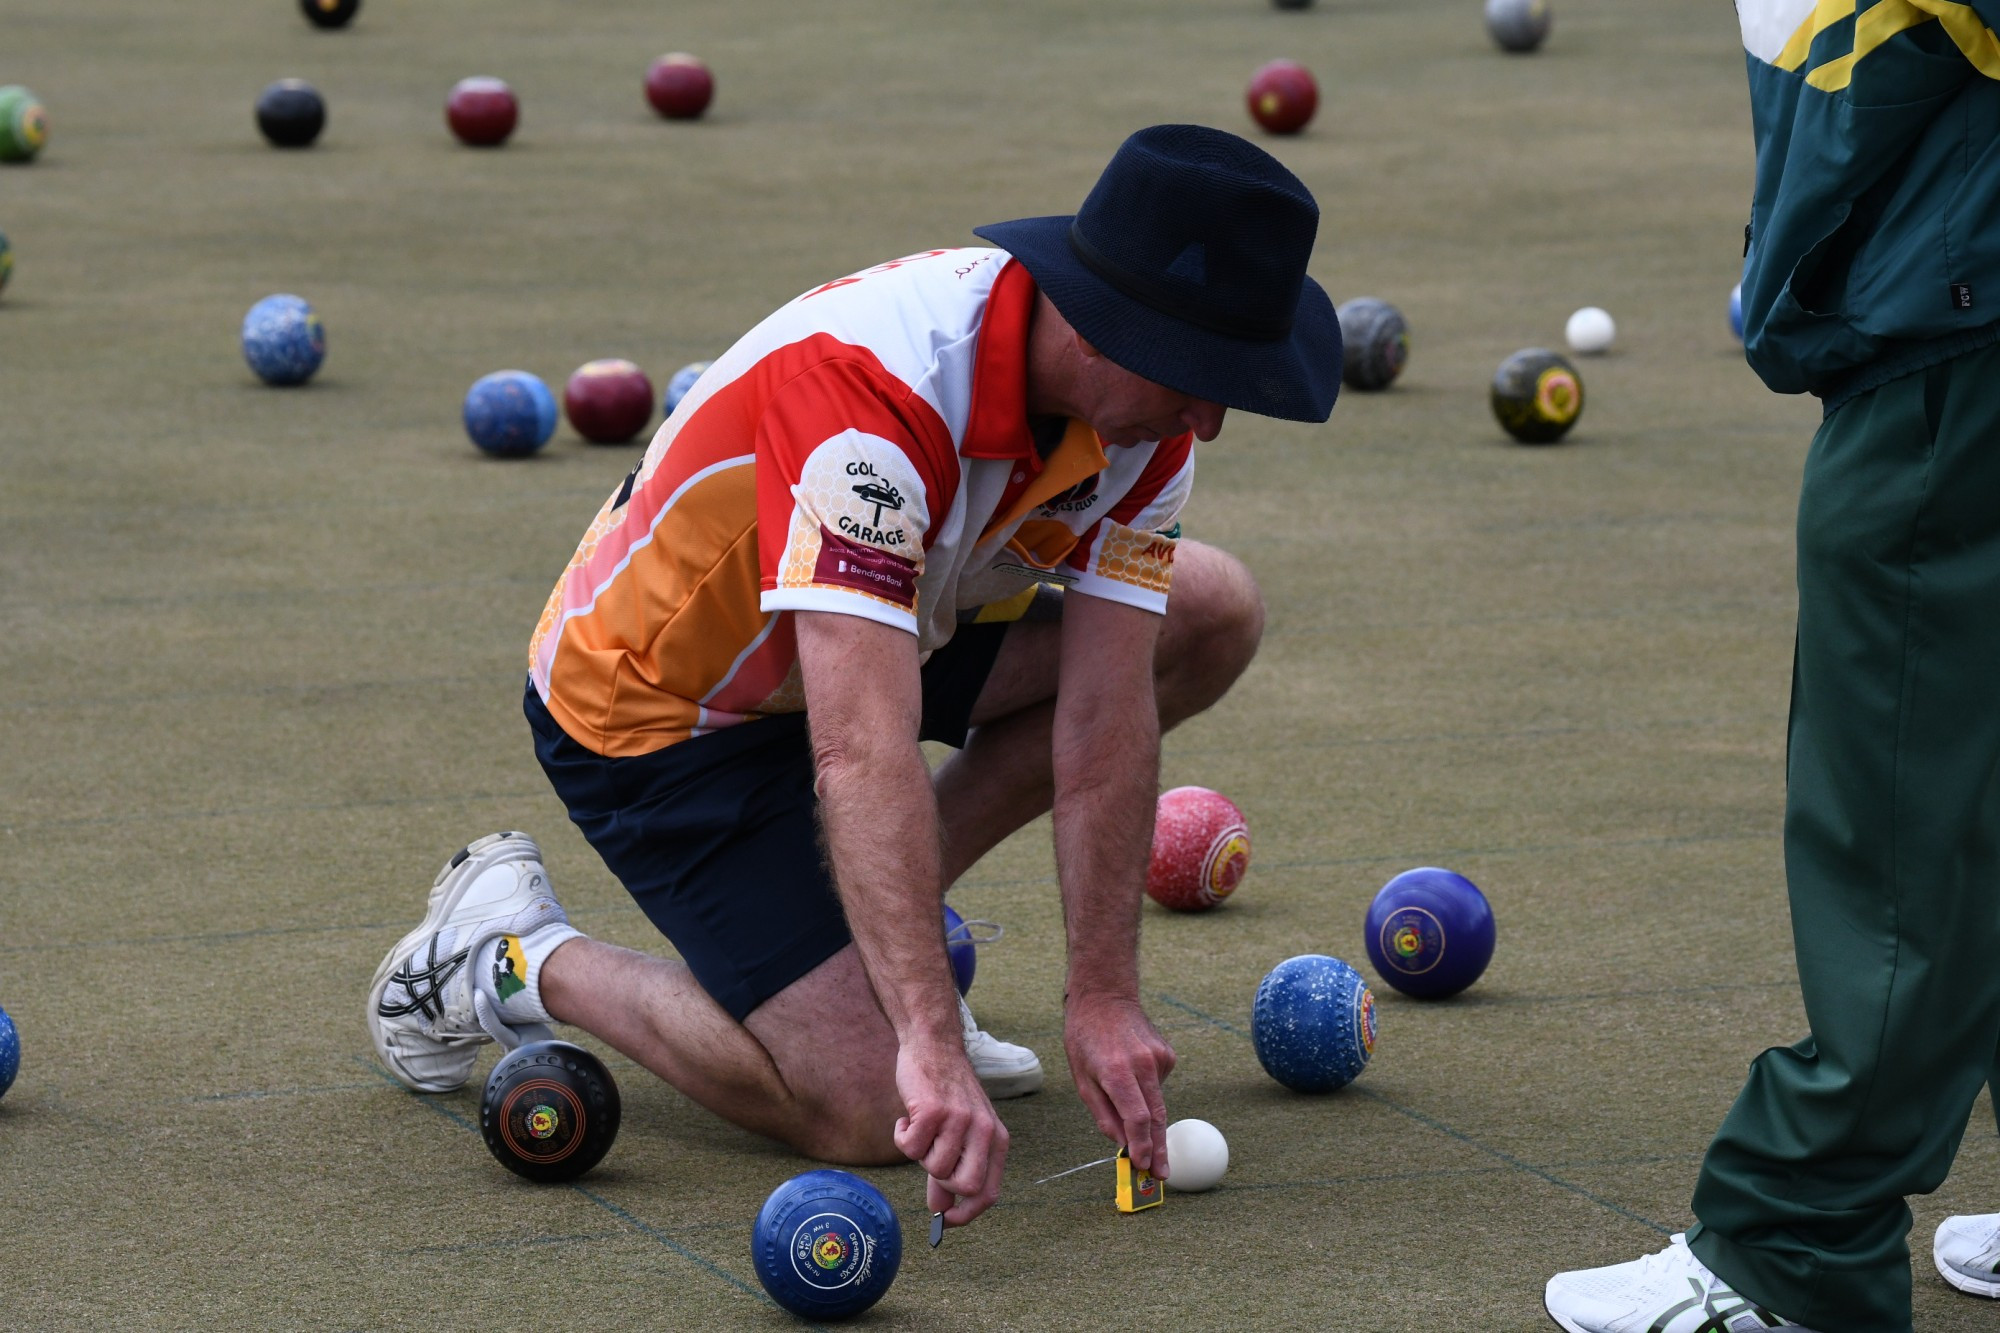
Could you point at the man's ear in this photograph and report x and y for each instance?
(1083, 346)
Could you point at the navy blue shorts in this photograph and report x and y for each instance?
(717, 838)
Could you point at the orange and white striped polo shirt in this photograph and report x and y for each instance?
(865, 450)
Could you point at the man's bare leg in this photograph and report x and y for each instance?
(1004, 776)
(775, 1073)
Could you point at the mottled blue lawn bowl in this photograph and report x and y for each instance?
(1313, 1023)
(10, 1052)
(283, 340)
(510, 413)
(958, 947)
(678, 386)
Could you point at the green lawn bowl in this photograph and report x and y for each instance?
(24, 124)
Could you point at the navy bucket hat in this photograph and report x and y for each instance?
(1187, 267)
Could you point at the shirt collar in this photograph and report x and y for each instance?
(997, 424)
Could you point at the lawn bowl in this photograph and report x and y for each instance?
(550, 1111)
(826, 1245)
(1518, 26)
(482, 112)
(510, 413)
(330, 13)
(1201, 849)
(1429, 933)
(1375, 342)
(10, 1052)
(1313, 1023)
(24, 124)
(283, 340)
(1282, 96)
(679, 86)
(291, 113)
(1537, 396)
(960, 948)
(608, 401)
(681, 383)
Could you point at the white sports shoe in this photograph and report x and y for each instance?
(1668, 1292)
(1967, 1253)
(1006, 1070)
(430, 1008)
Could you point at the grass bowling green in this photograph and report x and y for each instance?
(265, 651)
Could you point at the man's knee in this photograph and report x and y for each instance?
(841, 1100)
(862, 1135)
(1215, 622)
(847, 1114)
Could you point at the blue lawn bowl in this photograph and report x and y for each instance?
(1736, 311)
(510, 413)
(10, 1052)
(1313, 1023)
(958, 944)
(826, 1245)
(283, 340)
(1430, 933)
(678, 386)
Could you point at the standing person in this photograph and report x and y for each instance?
(933, 500)
(1874, 282)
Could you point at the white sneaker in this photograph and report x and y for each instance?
(1006, 1070)
(1668, 1292)
(428, 1011)
(1967, 1253)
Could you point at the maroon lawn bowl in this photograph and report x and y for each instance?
(481, 111)
(608, 401)
(679, 86)
(1283, 96)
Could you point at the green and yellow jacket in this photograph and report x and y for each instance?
(1874, 239)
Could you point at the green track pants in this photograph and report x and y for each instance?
(1892, 855)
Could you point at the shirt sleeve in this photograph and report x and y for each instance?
(1128, 555)
(848, 478)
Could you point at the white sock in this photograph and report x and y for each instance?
(514, 971)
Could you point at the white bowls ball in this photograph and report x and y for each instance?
(1197, 1154)
(1590, 331)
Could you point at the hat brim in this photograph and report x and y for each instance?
(1294, 378)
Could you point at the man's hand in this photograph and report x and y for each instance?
(1119, 1061)
(951, 1131)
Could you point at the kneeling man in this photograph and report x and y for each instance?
(935, 500)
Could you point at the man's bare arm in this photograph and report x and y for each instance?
(863, 704)
(1107, 761)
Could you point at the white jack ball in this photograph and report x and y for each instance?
(1197, 1154)
(1590, 330)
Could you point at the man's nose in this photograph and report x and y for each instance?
(1203, 418)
